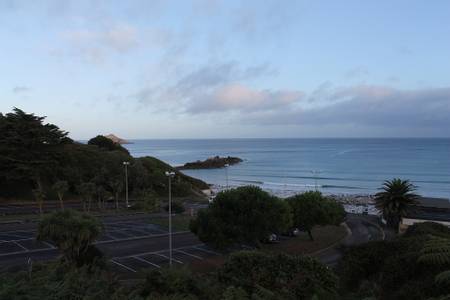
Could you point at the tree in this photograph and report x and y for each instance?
(39, 195)
(395, 200)
(242, 215)
(87, 191)
(311, 209)
(61, 187)
(72, 233)
(279, 276)
(28, 148)
(106, 144)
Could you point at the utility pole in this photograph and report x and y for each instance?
(226, 173)
(126, 164)
(315, 173)
(170, 175)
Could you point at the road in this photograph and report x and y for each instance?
(363, 229)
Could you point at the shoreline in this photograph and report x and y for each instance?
(353, 203)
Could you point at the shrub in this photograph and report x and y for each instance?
(289, 277)
(243, 215)
(177, 207)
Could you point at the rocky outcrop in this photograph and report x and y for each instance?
(211, 163)
(117, 139)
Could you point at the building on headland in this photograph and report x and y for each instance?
(428, 210)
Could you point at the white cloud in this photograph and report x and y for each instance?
(241, 98)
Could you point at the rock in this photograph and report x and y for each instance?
(211, 163)
(117, 139)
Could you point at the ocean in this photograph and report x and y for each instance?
(333, 166)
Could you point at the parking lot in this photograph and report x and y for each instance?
(23, 241)
(160, 259)
(131, 244)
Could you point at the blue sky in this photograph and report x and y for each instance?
(206, 69)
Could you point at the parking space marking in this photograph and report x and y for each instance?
(48, 244)
(146, 261)
(21, 246)
(123, 266)
(185, 253)
(175, 260)
(18, 240)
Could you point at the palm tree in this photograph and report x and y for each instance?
(71, 232)
(61, 187)
(395, 199)
(87, 191)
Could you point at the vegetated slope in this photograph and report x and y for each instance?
(34, 155)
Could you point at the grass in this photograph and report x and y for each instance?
(324, 237)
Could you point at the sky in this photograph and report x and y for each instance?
(229, 69)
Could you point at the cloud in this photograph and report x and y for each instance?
(21, 89)
(209, 87)
(94, 45)
(237, 97)
(366, 105)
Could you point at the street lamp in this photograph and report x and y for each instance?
(226, 173)
(315, 173)
(170, 175)
(126, 164)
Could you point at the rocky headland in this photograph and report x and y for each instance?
(215, 162)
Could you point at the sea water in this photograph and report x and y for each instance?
(333, 166)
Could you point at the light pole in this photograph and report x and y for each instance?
(226, 173)
(170, 175)
(126, 164)
(315, 173)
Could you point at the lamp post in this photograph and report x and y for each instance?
(315, 173)
(126, 164)
(170, 175)
(226, 173)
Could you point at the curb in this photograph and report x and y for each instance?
(349, 233)
(383, 234)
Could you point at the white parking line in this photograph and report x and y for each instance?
(21, 246)
(48, 244)
(175, 260)
(19, 240)
(123, 266)
(185, 253)
(146, 261)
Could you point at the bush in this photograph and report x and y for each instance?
(427, 228)
(288, 277)
(177, 207)
(54, 281)
(174, 283)
(243, 215)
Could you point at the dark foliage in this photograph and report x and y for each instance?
(285, 276)
(312, 208)
(35, 155)
(245, 215)
(177, 207)
(106, 144)
(394, 268)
